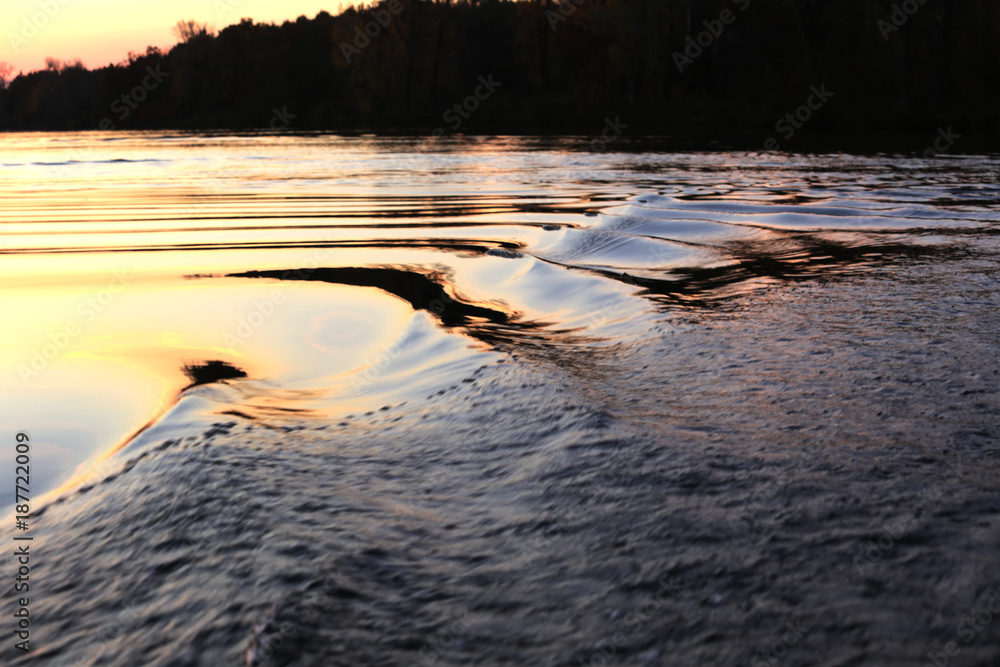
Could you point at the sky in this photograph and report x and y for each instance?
(100, 32)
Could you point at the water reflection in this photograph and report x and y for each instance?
(344, 274)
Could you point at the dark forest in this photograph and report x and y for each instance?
(755, 70)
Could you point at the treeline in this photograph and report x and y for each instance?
(705, 68)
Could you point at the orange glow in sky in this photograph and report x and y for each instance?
(101, 32)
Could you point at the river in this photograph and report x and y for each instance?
(302, 399)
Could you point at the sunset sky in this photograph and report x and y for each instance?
(100, 32)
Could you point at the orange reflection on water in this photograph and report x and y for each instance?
(116, 247)
(91, 365)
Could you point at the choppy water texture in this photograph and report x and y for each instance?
(312, 400)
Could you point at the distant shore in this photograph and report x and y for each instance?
(646, 137)
(745, 74)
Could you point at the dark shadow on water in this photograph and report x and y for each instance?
(211, 371)
(802, 257)
(418, 290)
(427, 292)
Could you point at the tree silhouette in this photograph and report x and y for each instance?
(562, 66)
(6, 69)
(186, 31)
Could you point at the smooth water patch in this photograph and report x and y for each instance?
(89, 367)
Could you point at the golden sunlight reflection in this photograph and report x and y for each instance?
(127, 257)
(93, 365)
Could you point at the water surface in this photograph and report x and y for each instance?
(452, 351)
